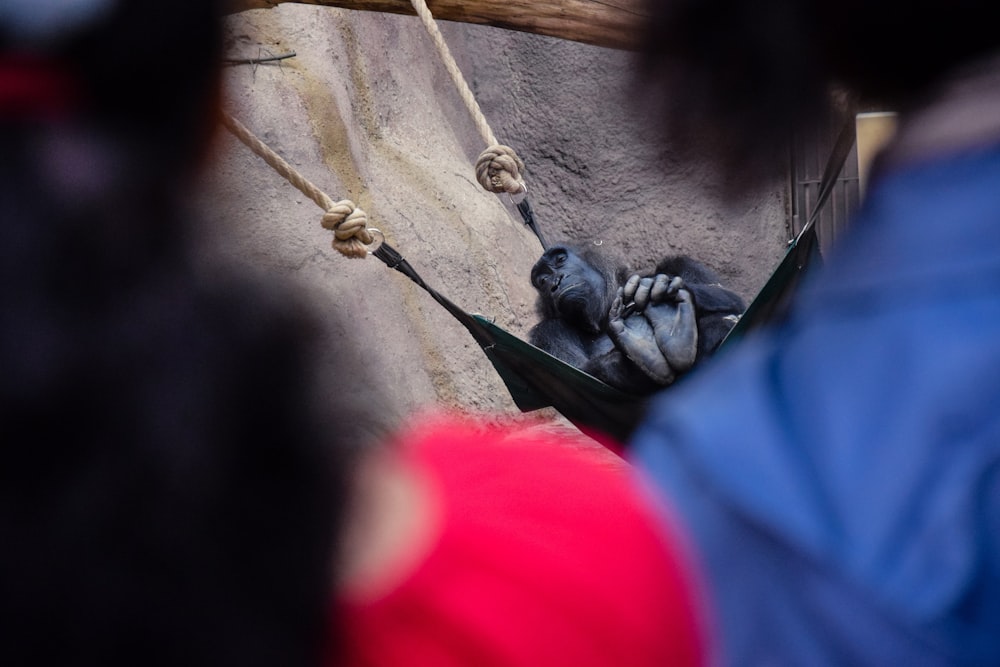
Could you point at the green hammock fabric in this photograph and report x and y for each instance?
(536, 379)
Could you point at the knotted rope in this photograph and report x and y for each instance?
(349, 224)
(498, 168)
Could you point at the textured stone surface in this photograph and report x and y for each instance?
(366, 111)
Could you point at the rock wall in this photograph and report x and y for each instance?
(366, 111)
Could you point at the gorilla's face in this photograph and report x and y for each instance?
(571, 287)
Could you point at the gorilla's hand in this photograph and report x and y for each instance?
(667, 306)
(639, 292)
(635, 336)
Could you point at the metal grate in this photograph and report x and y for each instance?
(810, 153)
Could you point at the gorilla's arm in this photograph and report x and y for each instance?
(559, 340)
(688, 268)
(594, 354)
(713, 329)
(704, 284)
(714, 298)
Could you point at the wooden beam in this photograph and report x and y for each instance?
(608, 23)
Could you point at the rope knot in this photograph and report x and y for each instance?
(498, 169)
(349, 225)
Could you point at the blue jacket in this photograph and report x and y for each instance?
(840, 473)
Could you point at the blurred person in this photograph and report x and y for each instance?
(170, 485)
(177, 487)
(839, 470)
(508, 544)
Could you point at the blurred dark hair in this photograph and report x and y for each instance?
(734, 79)
(172, 482)
(150, 71)
(171, 487)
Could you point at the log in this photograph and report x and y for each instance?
(610, 23)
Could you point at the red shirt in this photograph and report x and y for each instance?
(549, 553)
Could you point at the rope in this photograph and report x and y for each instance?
(348, 223)
(498, 168)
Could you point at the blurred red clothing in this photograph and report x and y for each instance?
(548, 552)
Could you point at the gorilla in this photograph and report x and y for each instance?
(637, 333)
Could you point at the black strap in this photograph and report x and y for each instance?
(391, 258)
(524, 208)
(773, 299)
(834, 165)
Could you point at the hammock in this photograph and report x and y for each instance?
(536, 379)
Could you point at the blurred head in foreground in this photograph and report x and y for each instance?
(170, 486)
(734, 79)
